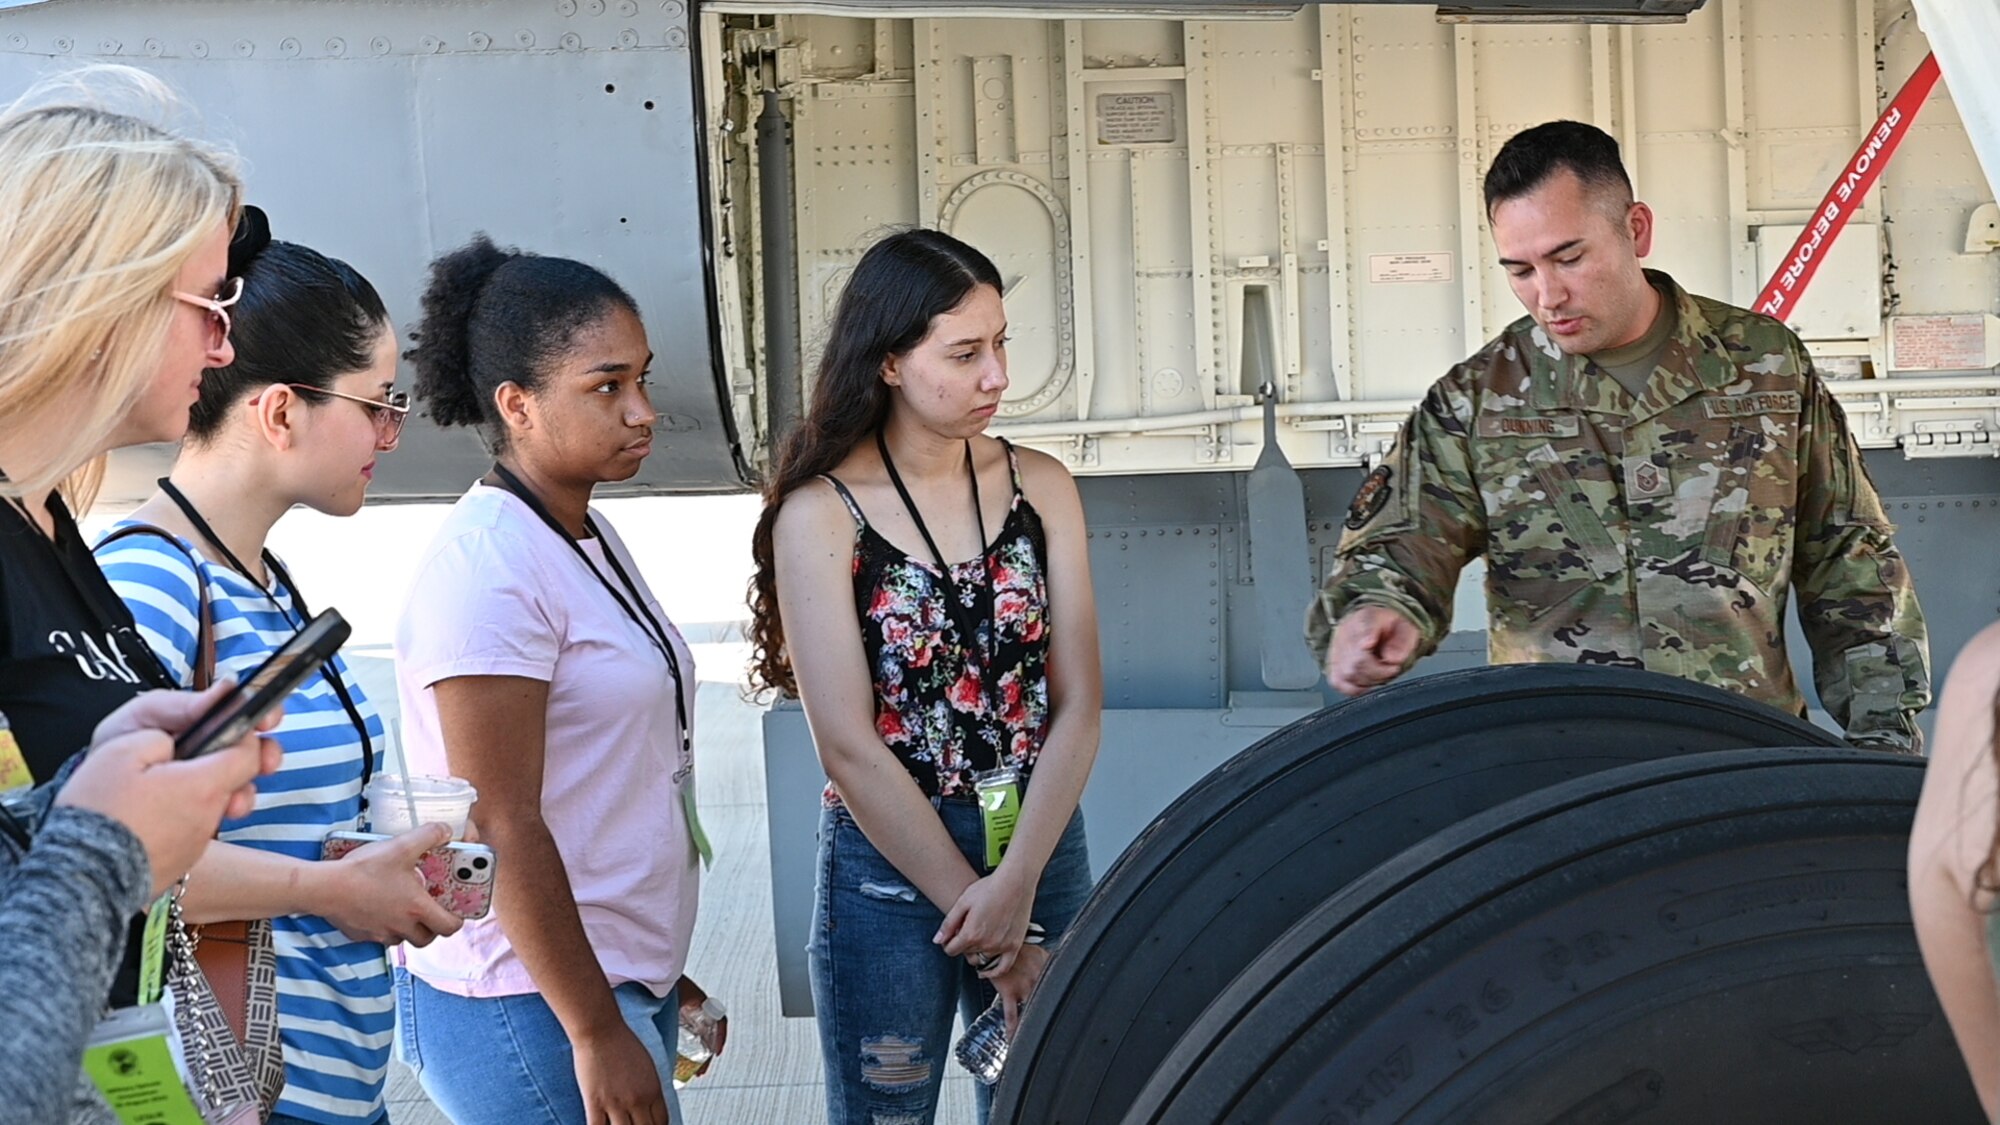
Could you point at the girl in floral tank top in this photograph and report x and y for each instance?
(933, 704)
(924, 590)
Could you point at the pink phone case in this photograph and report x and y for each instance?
(458, 875)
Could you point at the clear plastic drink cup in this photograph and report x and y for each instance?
(398, 804)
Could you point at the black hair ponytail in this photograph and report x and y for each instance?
(304, 319)
(443, 352)
(494, 316)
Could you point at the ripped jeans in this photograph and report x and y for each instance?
(882, 992)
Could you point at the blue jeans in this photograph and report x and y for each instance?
(287, 1119)
(505, 1060)
(883, 993)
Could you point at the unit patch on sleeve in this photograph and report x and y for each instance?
(1370, 498)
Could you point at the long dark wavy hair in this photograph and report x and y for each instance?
(899, 287)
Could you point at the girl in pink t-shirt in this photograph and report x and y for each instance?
(533, 661)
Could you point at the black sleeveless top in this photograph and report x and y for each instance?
(943, 700)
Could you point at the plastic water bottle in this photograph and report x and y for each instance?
(983, 1048)
(697, 1040)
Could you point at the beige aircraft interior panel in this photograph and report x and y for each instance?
(1185, 210)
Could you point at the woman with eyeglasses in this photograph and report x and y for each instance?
(114, 237)
(114, 284)
(298, 419)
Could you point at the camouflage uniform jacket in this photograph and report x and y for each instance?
(1664, 533)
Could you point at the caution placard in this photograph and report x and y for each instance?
(1136, 119)
(1963, 342)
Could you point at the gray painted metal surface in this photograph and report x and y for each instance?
(385, 134)
(1280, 561)
(784, 382)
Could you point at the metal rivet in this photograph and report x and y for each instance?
(380, 44)
(571, 41)
(245, 48)
(336, 47)
(290, 48)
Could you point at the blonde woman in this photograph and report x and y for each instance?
(113, 238)
(114, 295)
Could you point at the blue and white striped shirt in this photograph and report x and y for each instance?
(336, 1015)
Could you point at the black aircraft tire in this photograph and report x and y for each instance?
(1722, 939)
(1262, 840)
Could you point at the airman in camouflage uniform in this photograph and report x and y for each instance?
(1663, 530)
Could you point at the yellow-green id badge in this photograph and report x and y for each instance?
(999, 793)
(700, 838)
(14, 772)
(153, 950)
(131, 1060)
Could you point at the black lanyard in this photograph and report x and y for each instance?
(954, 603)
(16, 832)
(327, 671)
(151, 667)
(641, 614)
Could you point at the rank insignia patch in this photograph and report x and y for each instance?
(1370, 498)
(1646, 481)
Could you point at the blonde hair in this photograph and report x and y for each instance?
(100, 210)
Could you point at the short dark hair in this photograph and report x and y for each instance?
(304, 318)
(494, 316)
(1531, 156)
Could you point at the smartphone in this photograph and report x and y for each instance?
(239, 712)
(457, 874)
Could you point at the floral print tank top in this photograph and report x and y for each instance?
(933, 707)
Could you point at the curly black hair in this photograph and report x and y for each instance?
(494, 316)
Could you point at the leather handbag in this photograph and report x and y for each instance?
(236, 963)
(239, 962)
(226, 1076)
